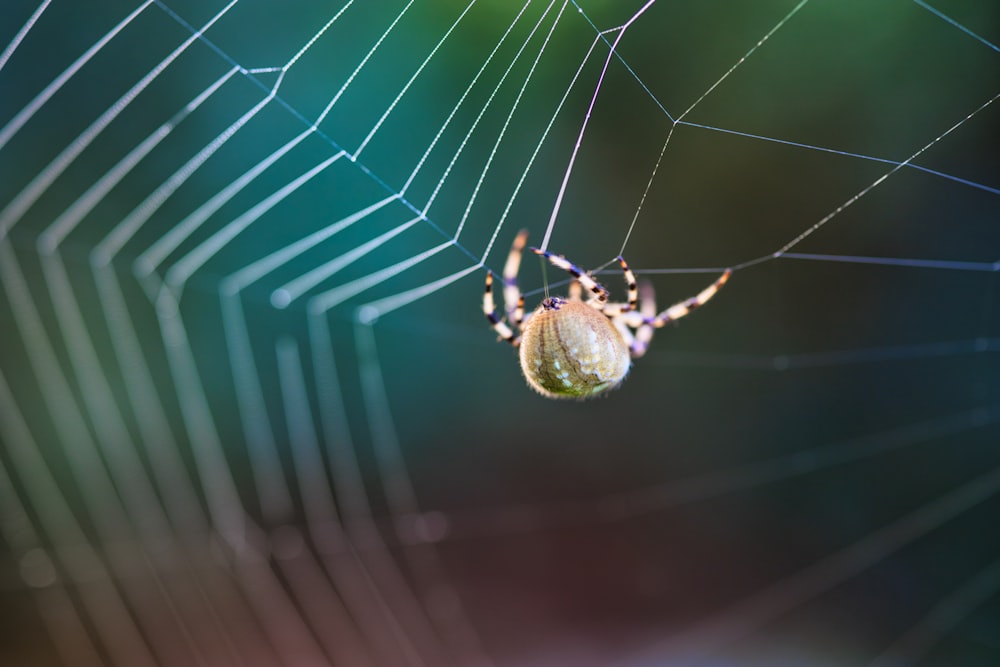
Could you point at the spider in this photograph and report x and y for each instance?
(571, 348)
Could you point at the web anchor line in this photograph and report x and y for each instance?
(586, 119)
(212, 453)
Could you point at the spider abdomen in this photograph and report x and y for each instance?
(571, 350)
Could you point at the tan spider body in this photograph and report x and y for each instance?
(571, 348)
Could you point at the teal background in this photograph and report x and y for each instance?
(811, 404)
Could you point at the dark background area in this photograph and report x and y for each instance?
(804, 472)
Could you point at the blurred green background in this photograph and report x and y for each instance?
(790, 476)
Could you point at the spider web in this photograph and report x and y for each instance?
(251, 414)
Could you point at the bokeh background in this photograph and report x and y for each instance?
(214, 453)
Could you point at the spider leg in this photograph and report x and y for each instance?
(600, 293)
(575, 290)
(626, 334)
(625, 319)
(614, 309)
(679, 310)
(633, 289)
(490, 310)
(647, 309)
(512, 297)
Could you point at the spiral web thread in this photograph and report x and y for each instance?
(142, 542)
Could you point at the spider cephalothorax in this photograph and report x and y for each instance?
(571, 348)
